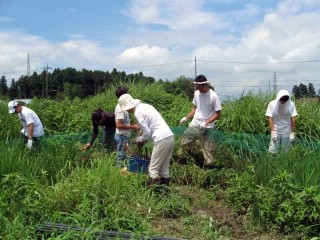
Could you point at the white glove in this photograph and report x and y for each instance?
(183, 120)
(29, 144)
(203, 125)
(291, 137)
(139, 140)
(274, 136)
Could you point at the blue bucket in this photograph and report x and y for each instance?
(138, 165)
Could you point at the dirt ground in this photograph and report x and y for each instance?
(224, 221)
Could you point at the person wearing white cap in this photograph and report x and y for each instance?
(206, 110)
(281, 114)
(153, 127)
(32, 126)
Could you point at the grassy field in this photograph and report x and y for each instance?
(249, 195)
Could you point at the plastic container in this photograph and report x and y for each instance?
(138, 165)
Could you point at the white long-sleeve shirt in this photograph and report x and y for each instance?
(151, 123)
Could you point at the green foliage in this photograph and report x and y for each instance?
(9, 123)
(302, 163)
(241, 190)
(245, 115)
(46, 162)
(288, 207)
(308, 120)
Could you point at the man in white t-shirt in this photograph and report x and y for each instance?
(153, 128)
(123, 129)
(206, 110)
(32, 126)
(281, 114)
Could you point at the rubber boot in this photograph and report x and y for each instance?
(153, 181)
(165, 182)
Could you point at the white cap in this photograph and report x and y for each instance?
(12, 105)
(126, 102)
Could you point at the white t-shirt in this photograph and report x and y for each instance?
(151, 123)
(281, 115)
(28, 116)
(125, 119)
(207, 104)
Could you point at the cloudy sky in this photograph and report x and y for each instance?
(240, 45)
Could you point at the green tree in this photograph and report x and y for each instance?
(311, 90)
(13, 90)
(4, 89)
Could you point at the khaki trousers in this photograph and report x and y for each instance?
(191, 136)
(160, 158)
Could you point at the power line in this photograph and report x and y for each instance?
(262, 63)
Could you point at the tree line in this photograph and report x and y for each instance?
(71, 83)
(67, 83)
(304, 91)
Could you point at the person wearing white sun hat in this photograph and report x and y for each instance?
(153, 127)
(32, 126)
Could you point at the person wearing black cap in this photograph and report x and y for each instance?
(107, 121)
(206, 110)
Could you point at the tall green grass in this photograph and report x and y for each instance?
(47, 161)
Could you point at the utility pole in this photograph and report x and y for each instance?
(28, 66)
(275, 82)
(47, 68)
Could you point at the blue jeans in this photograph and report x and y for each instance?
(122, 141)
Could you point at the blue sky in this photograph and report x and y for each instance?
(238, 44)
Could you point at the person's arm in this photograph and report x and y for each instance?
(93, 137)
(213, 117)
(122, 126)
(293, 123)
(191, 113)
(30, 127)
(271, 125)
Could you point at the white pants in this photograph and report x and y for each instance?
(282, 143)
(160, 158)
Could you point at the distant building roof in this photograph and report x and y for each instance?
(24, 100)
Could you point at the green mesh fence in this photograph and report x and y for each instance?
(82, 137)
(255, 143)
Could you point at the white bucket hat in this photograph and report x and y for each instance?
(126, 102)
(12, 105)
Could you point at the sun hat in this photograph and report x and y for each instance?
(127, 102)
(201, 79)
(12, 105)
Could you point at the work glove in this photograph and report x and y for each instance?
(183, 120)
(29, 144)
(291, 137)
(139, 141)
(274, 136)
(203, 125)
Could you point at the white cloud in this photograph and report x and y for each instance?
(223, 44)
(144, 55)
(77, 53)
(144, 11)
(176, 15)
